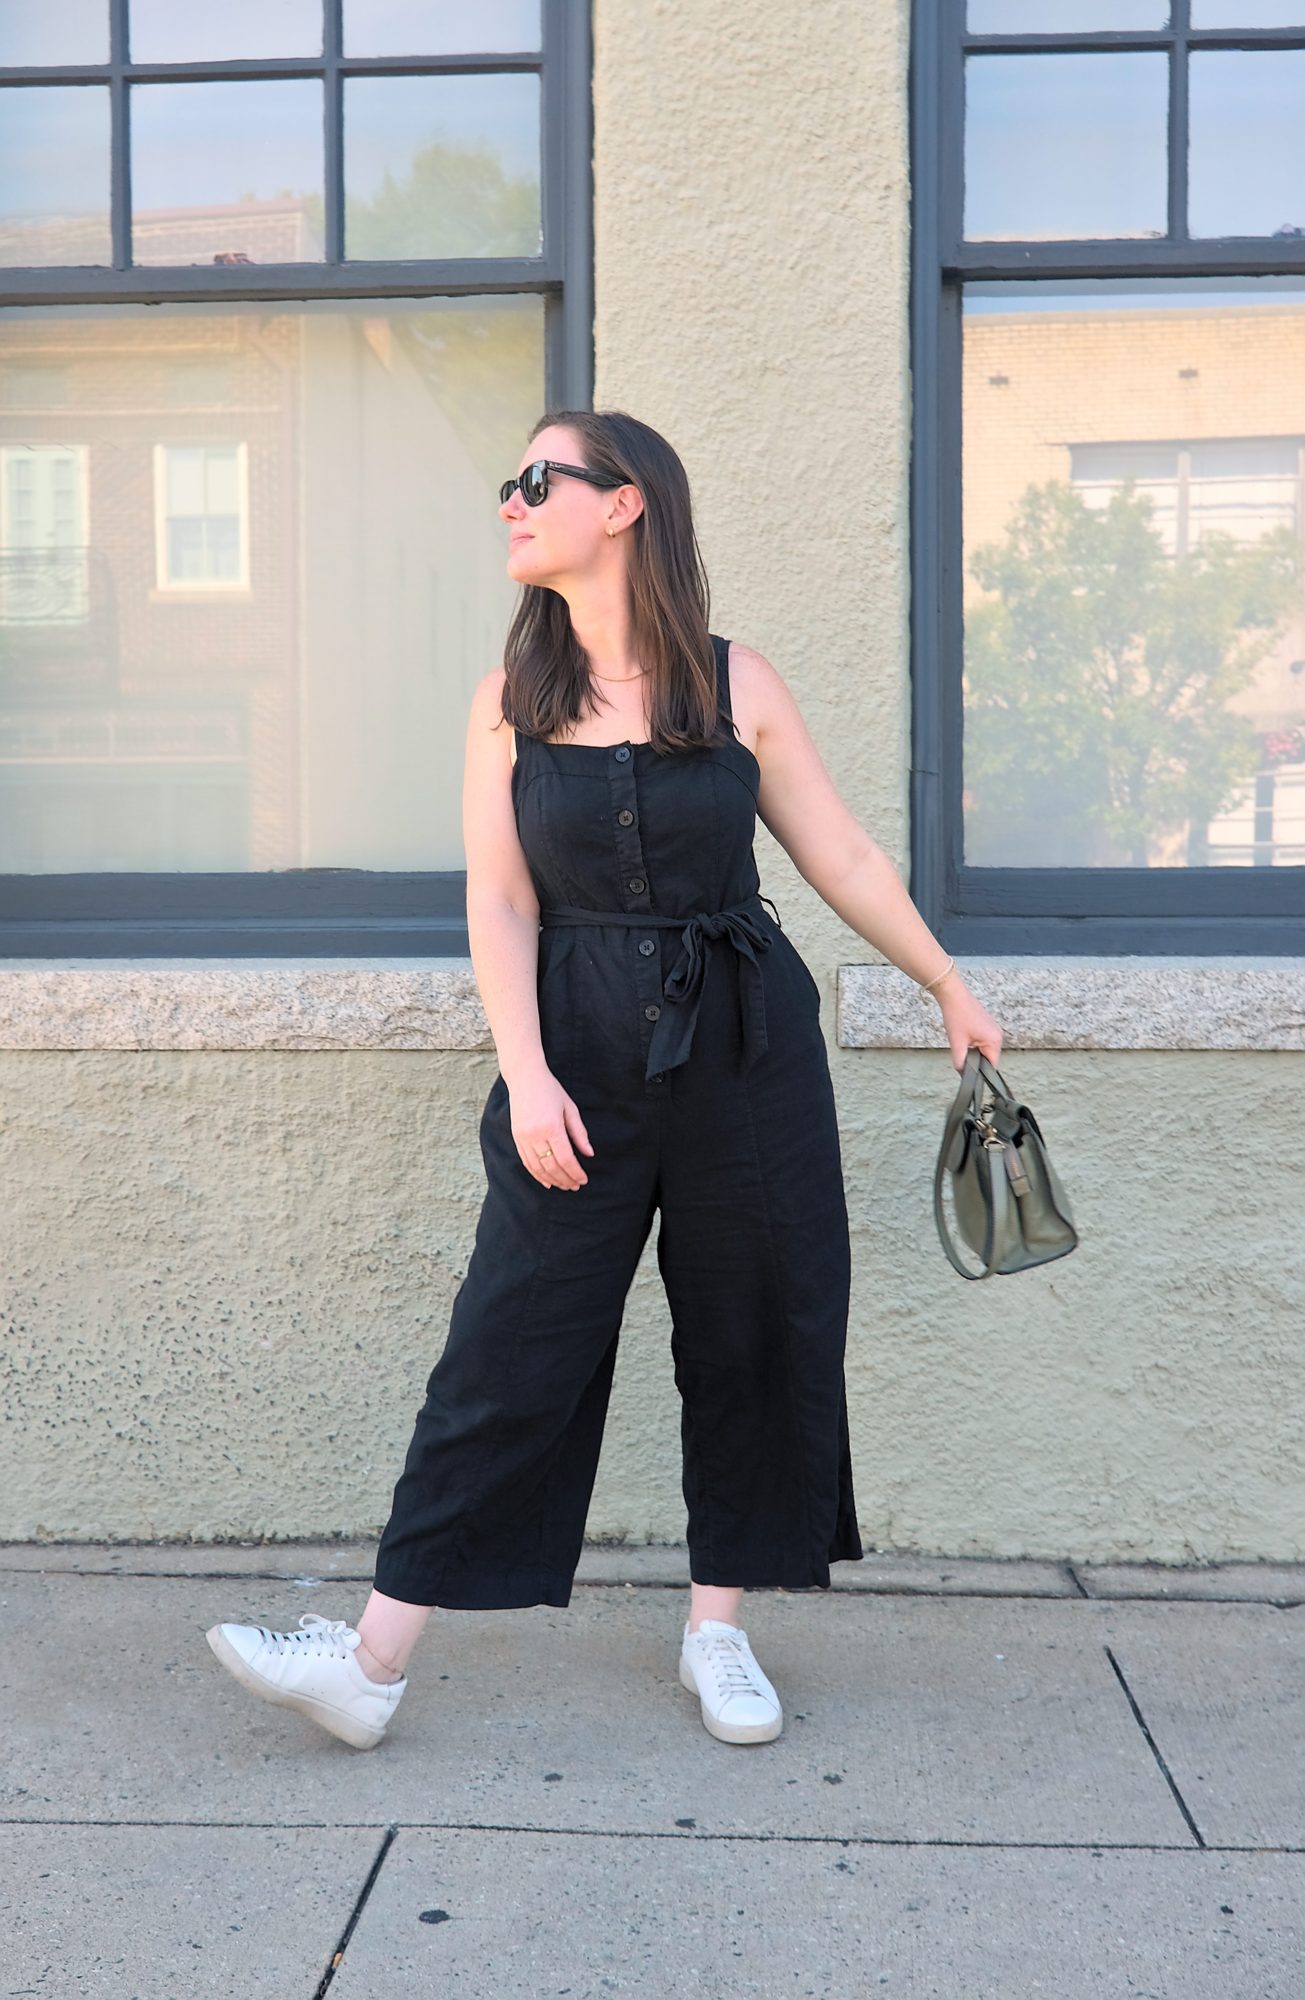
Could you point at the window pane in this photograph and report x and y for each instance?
(1248, 13)
(442, 166)
(1050, 17)
(227, 172)
(1134, 573)
(1065, 146)
(244, 634)
(56, 31)
(185, 488)
(161, 31)
(1245, 153)
(439, 27)
(54, 175)
(221, 481)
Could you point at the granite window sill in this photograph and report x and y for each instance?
(1061, 1002)
(1131, 1002)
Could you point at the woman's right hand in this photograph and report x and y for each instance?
(543, 1116)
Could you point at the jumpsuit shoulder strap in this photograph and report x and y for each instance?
(722, 650)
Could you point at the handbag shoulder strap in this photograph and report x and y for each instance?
(967, 1098)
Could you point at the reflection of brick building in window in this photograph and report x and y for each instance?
(129, 736)
(250, 568)
(1203, 407)
(1238, 486)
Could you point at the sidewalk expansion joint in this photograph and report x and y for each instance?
(394, 1827)
(1078, 1595)
(391, 1835)
(1165, 1772)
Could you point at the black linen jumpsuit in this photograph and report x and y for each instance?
(686, 1026)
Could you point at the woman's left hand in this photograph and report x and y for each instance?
(966, 1022)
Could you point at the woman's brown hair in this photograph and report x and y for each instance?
(547, 680)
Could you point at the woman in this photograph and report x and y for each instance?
(660, 1050)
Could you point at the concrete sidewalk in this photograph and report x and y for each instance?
(995, 1780)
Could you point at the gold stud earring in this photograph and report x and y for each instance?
(611, 531)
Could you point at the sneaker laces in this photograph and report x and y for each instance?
(730, 1660)
(319, 1635)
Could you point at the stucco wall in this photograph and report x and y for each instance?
(227, 1270)
(226, 1276)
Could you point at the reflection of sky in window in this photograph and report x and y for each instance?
(1049, 17)
(439, 27)
(162, 31)
(54, 151)
(197, 144)
(71, 31)
(387, 119)
(1065, 145)
(1248, 13)
(1247, 155)
(1142, 295)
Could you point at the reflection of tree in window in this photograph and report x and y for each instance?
(459, 190)
(479, 355)
(1098, 674)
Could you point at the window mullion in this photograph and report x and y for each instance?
(935, 184)
(566, 125)
(119, 139)
(333, 133)
(1179, 73)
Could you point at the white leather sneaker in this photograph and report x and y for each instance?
(313, 1670)
(739, 1705)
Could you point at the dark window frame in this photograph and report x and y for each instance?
(1150, 911)
(323, 912)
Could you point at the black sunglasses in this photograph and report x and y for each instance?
(534, 481)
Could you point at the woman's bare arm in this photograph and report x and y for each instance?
(502, 907)
(844, 864)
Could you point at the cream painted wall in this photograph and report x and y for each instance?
(227, 1274)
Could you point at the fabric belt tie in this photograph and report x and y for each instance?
(682, 990)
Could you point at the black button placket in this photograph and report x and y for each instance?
(635, 894)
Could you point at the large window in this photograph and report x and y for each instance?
(1108, 506)
(282, 289)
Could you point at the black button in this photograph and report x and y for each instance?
(622, 755)
(638, 884)
(651, 1013)
(657, 1076)
(646, 945)
(625, 817)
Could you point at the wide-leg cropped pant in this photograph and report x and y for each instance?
(742, 1168)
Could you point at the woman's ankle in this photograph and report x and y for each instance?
(713, 1601)
(375, 1670)
(396, 1625)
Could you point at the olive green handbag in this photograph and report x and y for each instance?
(1009, 1203)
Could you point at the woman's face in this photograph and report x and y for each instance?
(565, 537)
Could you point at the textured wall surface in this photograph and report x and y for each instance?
(226, 1277)
(226, 1274)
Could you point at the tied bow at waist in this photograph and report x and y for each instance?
(672, 1037)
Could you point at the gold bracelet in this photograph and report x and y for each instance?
(949, 967)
